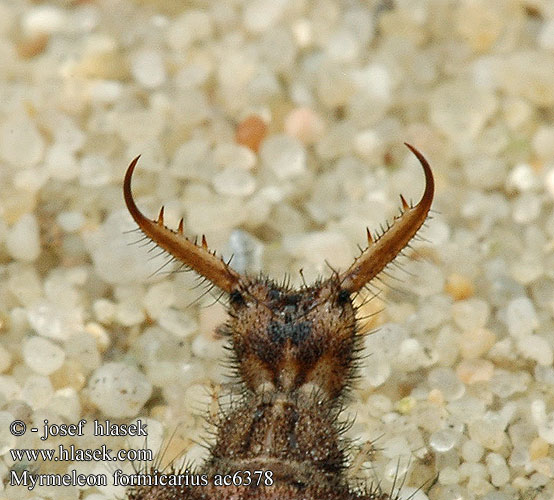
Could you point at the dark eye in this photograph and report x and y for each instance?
(343, 297)
(292, 300)
(236, 298)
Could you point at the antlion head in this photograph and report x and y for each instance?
(283, 339)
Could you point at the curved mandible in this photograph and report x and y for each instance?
(197, 257)
(383, 250)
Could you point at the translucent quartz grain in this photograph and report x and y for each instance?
(173, 379)
(42, 355)
(543, 421)
(498, 469)
(9, 388)
(24, 283)
(394, 446)
(378, 404)
(337, 141)
(116, 261)
(544, 374)
(37, 391)
(472, 451)
(375, 81)
(189, 160)
(147, 66)
(537, 348)
(22, 240)
(517, 112)
(191, 26)
(448, 475)
(158, 298)
(303, 32)
(470, 314)
(260, 15)
(166, 359)
(177, 322)
(319, 246)
(520, 317)
(444, 439)
(529, 267)
(378, 371)
(539, 448)
(66, 131)
(30, 179)
(51, 320)
(524, 73)
(523, 178)
(60, 163)
(100, 335)
(526, 208)
(233, 156)
(395, 467)
(21, 143)
(119, 390)
(104, 310)
(476, 342)
(427, 279)
(434, 312)
(472, 470)
(488, 431)
(479, 24)
(70, 222)
(386, 340)
(60, 290)
(82, 348)
(466, 409)
(234, 181)
(446, 381)
(215, 216)
(343, 46)
(447, 345)
(471, 371)
(128, 312)
(105, 91)
(95, 171)
(246, 252)
(458, 112)
(543, 142)
(367, 143)
(485, 173)
(284, 156)
(546, 35)
(412, 355)
(205, 347)
(144, 126)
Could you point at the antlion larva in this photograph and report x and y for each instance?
(294, 351)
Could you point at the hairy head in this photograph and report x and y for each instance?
(289, 340)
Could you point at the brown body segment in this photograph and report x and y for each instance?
(294, 353)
